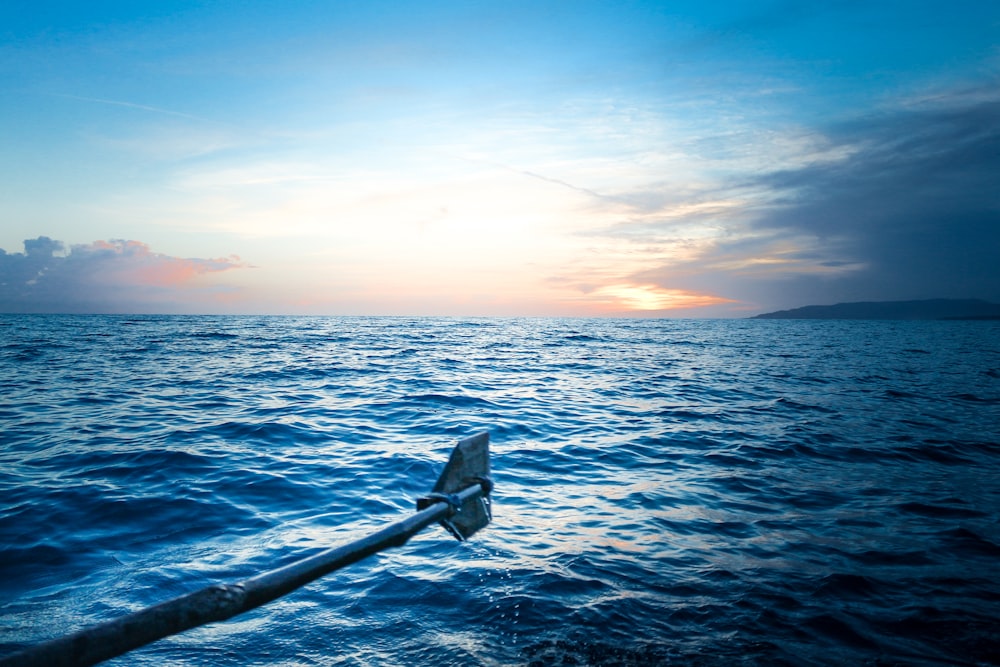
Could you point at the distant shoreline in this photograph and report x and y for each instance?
(927, 309)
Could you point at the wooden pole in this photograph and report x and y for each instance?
(221, 601)
(453, 502)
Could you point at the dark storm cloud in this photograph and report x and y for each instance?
(918, 201)
(103, 276)
(911, 210)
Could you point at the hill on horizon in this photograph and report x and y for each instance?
(927, 309)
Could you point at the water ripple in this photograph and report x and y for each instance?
(668, 492)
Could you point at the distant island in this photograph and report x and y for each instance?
(929, 309)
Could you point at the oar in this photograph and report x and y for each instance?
(460, 501)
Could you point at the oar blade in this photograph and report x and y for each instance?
(468, 464)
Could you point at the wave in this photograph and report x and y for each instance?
(668, 492)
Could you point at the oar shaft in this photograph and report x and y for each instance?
(220, 601)
(273, 584)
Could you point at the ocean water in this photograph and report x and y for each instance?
(668, 492)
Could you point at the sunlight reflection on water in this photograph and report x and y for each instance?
(682, 492)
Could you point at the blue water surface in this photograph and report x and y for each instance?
(668, 492)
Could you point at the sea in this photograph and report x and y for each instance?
(667, 491)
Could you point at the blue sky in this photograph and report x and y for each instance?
(496, 158)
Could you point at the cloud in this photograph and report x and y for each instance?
(907, 208)
(105, 276)
(128, 105)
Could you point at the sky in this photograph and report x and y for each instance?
(573, 158)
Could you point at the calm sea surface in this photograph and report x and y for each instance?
(676, 492)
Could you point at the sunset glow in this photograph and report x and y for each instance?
(599, 159)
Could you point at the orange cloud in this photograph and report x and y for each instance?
(106, 276)
(118, 261)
